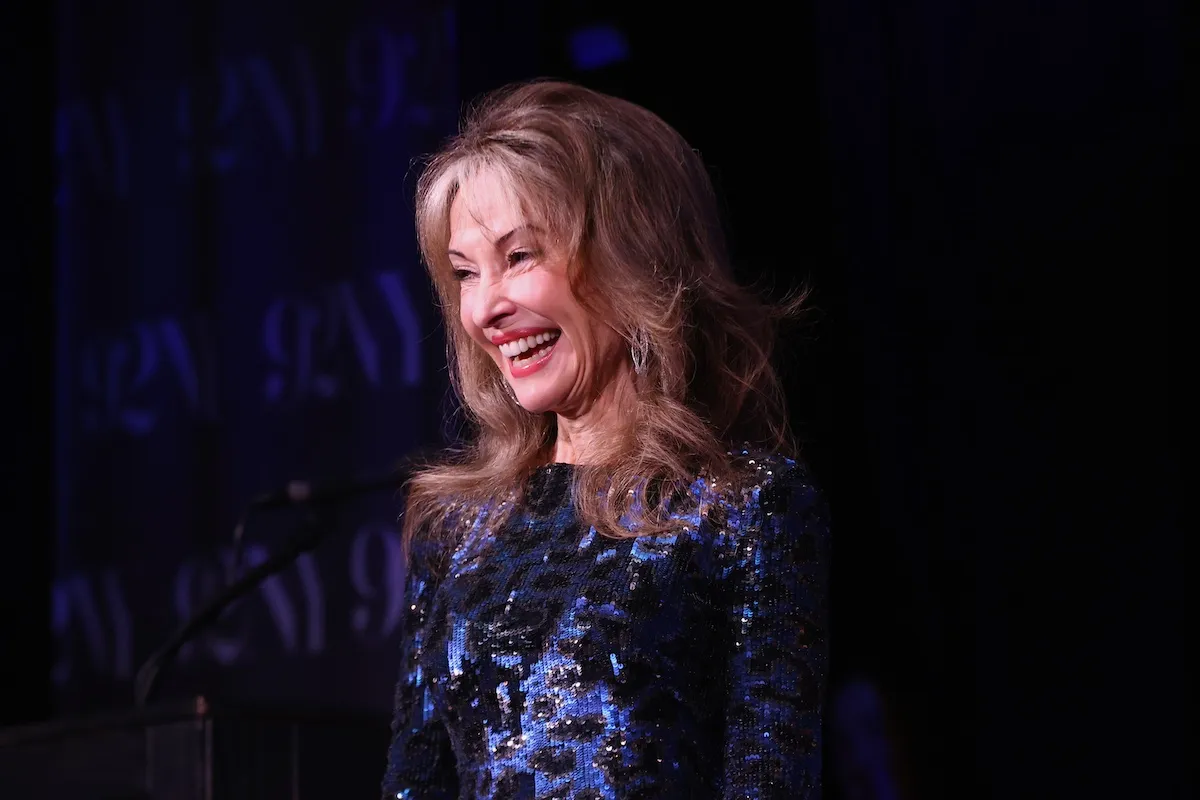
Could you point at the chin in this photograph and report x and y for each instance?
(539, 393)
(534, 402)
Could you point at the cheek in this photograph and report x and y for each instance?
(588, 333)
(608, 342)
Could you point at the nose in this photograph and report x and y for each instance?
(492, 304)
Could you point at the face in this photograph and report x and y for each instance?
(517, 305)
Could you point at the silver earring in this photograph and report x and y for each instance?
(639, 352)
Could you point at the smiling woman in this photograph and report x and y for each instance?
(516, 302)
(617, 586)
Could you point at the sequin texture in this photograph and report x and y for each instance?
(542, 660)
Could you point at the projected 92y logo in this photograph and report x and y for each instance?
(349, 336)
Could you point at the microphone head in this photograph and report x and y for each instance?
(299, 491)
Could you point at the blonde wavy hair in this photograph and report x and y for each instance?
(633, 206)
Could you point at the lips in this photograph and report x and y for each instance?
(533, 357)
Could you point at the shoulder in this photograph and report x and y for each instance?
(768, 496)
(761, 480)
(772, 477)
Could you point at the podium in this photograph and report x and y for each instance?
(195, 750)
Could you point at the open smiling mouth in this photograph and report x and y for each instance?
(525, 352)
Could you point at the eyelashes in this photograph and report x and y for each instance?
(517, 258)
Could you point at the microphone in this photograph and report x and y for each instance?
(302, 492)
(305, 492)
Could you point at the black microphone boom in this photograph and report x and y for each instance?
(297, 493)
(148, 676)
(301, 492)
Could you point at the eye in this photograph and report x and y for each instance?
(517, 257)
(461, 274)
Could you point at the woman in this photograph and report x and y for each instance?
(604, 599)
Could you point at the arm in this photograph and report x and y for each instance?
(779, 612)
(420, 758)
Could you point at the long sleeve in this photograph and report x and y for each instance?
(777, 673)
(420, 759)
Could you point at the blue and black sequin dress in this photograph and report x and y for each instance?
(543, 660)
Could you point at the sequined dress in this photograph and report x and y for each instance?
(544, 660)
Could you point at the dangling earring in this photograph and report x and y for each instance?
(639, 351)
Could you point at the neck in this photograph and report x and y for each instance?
(584, 437)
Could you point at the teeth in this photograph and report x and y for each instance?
(518, 346)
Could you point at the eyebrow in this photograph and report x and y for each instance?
(503, 240)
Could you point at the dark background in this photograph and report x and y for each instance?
(981, 196)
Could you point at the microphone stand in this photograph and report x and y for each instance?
(309, 536)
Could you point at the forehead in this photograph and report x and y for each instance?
(485, 206)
